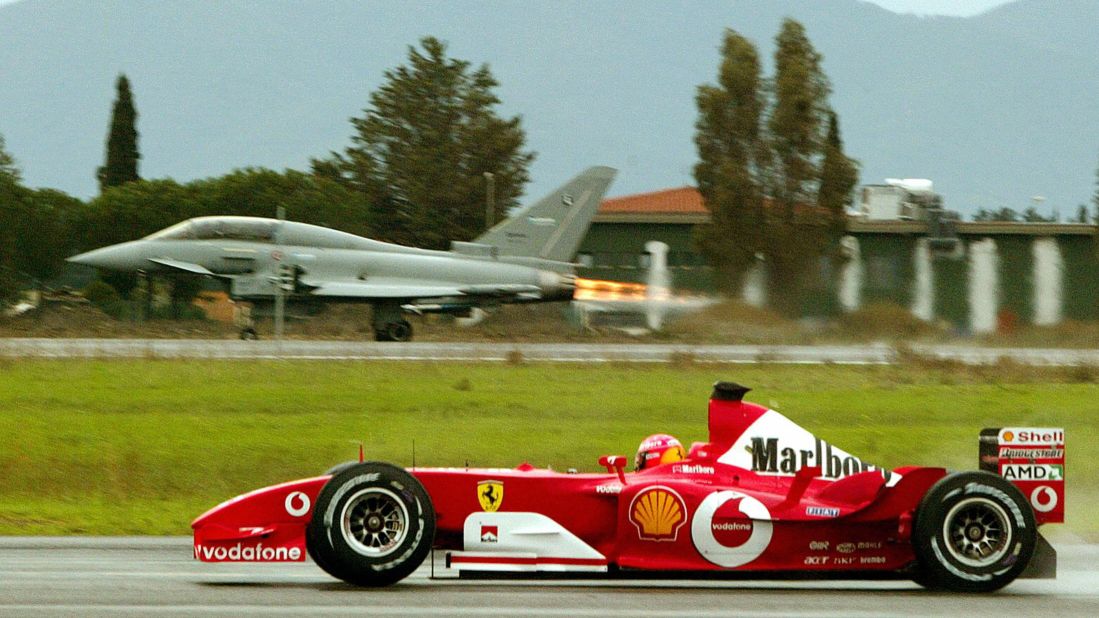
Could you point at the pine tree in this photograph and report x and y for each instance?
(421, 149)
(731, 161)
(122, 154)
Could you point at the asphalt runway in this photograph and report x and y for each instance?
(157, 576)
(230, 349)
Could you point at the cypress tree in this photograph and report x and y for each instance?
(838, 177)
(776, 188)
(797, 125)
(731, 159)
(797, 120)
(122, 154)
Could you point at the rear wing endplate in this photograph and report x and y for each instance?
(1033, 459)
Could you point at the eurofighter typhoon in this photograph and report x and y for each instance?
(524, 258)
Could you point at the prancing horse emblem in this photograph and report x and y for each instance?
(490, 494)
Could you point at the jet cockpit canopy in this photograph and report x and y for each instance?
(252, 229)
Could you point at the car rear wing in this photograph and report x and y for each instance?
(1033, 459)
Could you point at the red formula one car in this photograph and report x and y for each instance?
(763, 497)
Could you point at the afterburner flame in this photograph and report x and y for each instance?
(596, 289)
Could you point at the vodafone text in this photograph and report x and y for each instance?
(248, 553)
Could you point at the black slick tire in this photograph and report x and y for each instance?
(373, 525)
(974, 532)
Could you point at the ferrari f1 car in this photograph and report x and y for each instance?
(762, 498)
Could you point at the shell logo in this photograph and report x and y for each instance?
(1008, 436)
(658, 513)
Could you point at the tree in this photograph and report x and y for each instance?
(1095, 197)
(838, 176)
(7, 163)
(731, 161)
(797, 119)
(35, 230)
(12, 196)
(122, 153)
(420, 151)
(1003, 214)
(797, 131)
(44, 234)
(1031, 215)
(777, 188)
(260, 192)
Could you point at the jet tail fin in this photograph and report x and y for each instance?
(552, 228)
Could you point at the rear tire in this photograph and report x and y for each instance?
(974, 532)
(373, 525)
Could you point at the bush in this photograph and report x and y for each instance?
(101, 294)
(886, 320)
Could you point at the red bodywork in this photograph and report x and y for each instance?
(706, 513)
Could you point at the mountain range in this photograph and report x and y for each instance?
(996, 109)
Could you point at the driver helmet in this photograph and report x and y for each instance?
(657, 449)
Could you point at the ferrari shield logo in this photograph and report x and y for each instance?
(490, 494)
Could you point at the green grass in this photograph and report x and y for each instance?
(142, 447)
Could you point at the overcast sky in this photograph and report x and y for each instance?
(962, 8)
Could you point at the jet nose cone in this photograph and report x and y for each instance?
(116, 257)
(87, 258)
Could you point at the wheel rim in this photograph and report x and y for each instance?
(374, 522)
(399, 331)
(977, 532)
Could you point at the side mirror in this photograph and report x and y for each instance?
(615, 463)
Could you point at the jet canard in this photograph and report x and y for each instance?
(524, 258)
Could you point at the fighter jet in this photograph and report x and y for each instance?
(525, 258)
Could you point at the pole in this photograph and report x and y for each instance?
(280, 296)
(490, 199)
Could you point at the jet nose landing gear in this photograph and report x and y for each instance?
(389, 323)
(400, 330)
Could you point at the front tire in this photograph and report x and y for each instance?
(373, 525)
(974, 532)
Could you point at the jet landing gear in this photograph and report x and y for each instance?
(390, 325)
(400, 330)
(242, 317)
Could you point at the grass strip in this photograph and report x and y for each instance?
(143, 446)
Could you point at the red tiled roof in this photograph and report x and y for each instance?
(681, 201)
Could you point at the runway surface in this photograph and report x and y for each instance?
(553, 352)
(157, 576)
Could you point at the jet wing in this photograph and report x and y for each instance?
(184, 266)
(398, 290)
